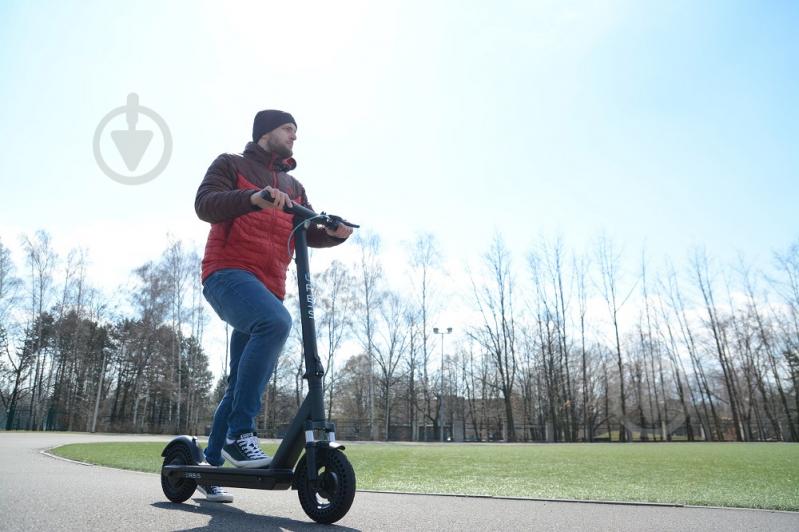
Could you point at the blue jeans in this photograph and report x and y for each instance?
(261, 325)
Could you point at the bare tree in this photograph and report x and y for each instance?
(9, 285)
(653, 358)
(710, 423)
(177, 267)
(390, 350)
(334, 303)
(370, 296)
(102, 367)
(609, 260)
(9, 297)
(669, 340)
(548, 277)
(581, 273)
(41, 260)
(787, 286)
(411, 321)
(21, 366)
(354, 394)
(768, 342)
(425, 259)
(143, 370)
(497, 333)
(548, 342)
(71, 305)
(473, 381)
(719, 337)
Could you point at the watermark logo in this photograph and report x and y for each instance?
(130, 147)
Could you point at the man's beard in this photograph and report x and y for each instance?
(281, 150)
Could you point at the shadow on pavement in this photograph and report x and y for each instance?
(229, 518)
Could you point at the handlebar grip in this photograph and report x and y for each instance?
(267, 196)
(296, 209)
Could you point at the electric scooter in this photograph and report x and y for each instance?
(323, 477)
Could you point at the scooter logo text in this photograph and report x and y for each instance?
(309, 295)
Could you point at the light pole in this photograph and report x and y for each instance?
(442, 333)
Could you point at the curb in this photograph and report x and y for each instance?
(538, 499)
(584, 501)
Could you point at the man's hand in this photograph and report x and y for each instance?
(281, 199)
(342, 231)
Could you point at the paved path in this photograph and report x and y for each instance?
(41, 493)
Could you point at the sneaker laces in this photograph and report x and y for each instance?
(248, 443)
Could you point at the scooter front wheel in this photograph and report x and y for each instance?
(178, 489)
(331, 498)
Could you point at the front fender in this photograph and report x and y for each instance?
(191, 444)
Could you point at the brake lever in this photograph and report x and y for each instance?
(333, 221)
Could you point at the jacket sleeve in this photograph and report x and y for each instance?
(317, 235)
(218, 199)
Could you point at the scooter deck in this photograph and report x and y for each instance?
(264, 479)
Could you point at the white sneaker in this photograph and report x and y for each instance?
(215, 494)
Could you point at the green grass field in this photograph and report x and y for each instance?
(749, 475)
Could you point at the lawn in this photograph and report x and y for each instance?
(749, 475)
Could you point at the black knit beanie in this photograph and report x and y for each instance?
(266, 121)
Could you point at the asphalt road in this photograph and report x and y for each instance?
(38, 492)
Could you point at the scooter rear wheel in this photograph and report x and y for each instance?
(178, 489)
(331, 499)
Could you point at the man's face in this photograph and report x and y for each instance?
(281, 140)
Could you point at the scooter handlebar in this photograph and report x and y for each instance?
(330, 220)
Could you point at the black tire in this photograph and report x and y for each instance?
(178, 489)
(333, 498)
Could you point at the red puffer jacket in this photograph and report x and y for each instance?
(243, 236)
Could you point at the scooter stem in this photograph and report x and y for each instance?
(314, 370)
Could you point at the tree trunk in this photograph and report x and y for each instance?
(97, 397)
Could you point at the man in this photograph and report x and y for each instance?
(244, 276)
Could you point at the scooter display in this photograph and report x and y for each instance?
(322, 474)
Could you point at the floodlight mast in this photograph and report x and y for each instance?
(441, 406)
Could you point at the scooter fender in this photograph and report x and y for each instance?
(191, 444)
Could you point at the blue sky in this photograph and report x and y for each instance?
(664, 124)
